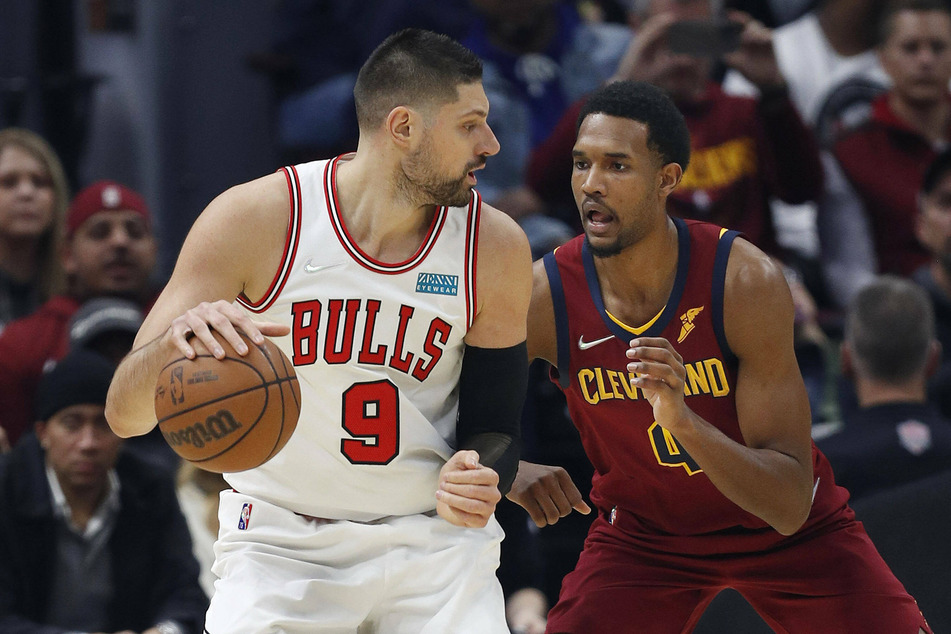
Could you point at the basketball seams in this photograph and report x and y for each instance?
(280, 433)
(259, 419)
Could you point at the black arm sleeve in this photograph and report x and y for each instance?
(491, 393)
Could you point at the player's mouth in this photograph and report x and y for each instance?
(596, 216)
(473, 167)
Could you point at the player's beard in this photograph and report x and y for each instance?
(627, 235)
(420, 181)
(624, 239)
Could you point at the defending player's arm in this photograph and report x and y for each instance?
(771, 475)
(230, 249)
(545, 492)
(494, 377)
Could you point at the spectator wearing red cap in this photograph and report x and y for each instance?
(109, 251)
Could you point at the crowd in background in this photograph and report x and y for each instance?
(822, 133)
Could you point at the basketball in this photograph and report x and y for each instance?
(230, 414)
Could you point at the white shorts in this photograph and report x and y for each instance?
(281, 572)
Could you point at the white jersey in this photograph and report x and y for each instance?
(378, 350)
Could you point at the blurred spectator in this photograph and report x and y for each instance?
(772, 13)
(92, 540)
(526, 612)
(33, 199)
(828, 60)
(819, 50)
(198, 496)
(883, 160)
(933, 228)
(318, 47)
(895, 436)
(109, 251)
(108, 325)
(539, 57)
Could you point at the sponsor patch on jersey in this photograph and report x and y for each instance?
(244, 522)
(437, 284)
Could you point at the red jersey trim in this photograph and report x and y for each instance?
(350, 245)
(291, 242)
(471, 259)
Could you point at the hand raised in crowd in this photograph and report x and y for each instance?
(547, 493)
(755, 57)
(647, 57)
(468, 491)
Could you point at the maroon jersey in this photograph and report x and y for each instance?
(641, 471)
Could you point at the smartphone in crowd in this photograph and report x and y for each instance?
(704, 38)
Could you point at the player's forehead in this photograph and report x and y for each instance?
(603, 134)
(470, 101)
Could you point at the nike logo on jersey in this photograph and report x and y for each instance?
(317, 268)
(584, 345)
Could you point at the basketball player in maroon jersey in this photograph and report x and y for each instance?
(672, 341)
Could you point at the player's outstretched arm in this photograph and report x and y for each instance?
(234, 247)
(771, 475)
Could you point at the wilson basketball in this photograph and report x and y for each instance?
(231, 414)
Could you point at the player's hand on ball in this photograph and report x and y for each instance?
(468, 491)
(547, 493)
(224, 317)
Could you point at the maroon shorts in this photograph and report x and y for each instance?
(834, 581)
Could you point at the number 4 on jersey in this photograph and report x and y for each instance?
(668, 452)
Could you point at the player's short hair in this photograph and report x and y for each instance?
(667, 133)
(886, 19)
(936, 171)
(889, 327)
(414, 68)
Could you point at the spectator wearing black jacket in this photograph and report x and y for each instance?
(92, 539)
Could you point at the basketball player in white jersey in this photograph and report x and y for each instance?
(401, 299)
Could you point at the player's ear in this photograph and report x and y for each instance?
(669, 177)
(401, 125)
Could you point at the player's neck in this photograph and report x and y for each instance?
(383, 222)
(636, 283)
